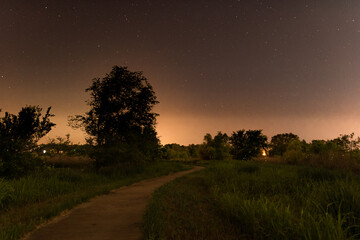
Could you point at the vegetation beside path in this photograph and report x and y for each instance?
(252, 200)
(31, 200)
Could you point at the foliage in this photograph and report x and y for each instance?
(193, 150)
(35, 198)
(215, 148)
(296, 151)
(347, 142)
(18, 137)
(6, 194)
(184, 209)
(207, 152)
(263, 201)
(342, 152)
(175, 152)
(247, 144)
(57, 145)
(280, 142)
(120, 116)
(61, 152)
(286, 202)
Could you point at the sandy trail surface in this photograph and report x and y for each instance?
(117, 215)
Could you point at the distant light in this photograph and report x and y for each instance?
(264, 153)
(44, 151)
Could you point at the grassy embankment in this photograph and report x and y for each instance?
(252, 200)
(34, 199)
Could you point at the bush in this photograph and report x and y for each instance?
(175, 152)
(294, 156)
(207, 152)
(19, 164)
(117, 155)
(287, 202)
(215, 148)
(18, 137)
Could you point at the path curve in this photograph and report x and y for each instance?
(117, 215)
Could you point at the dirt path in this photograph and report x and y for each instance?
(117, 215)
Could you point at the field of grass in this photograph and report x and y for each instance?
(65, 161)
(34, 199)
(252, 200)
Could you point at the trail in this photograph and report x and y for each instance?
(117, 215)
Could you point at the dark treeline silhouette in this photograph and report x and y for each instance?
(280, 142)
(120, 127)
(241, 145)
(60, 146)
(342, 152)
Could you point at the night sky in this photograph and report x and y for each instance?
(281, 66)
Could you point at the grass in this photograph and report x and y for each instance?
(182, 209)
(65, 161)
(252, 200)
(331, 160)
(34, 199)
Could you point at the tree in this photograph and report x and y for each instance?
(347, 142)
(207, 150)
(176, 152)
(297, 151)
(280, 142)
(215, 148)
(120, 115)
(18, 137)
(247, 144)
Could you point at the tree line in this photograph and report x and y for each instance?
(120, 128)
(241, 145)
(340, 152)
(120, 125)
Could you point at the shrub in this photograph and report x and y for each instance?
(117, 155)
(207, 152)
(215, 148)
(18, 137)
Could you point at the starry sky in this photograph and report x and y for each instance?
(215, 65)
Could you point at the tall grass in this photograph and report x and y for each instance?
(274, 201)
(182, 209)
(31, 200)
(288, 202)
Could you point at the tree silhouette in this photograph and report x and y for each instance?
(18, 137)
(120, 116)
(215, 148)
(247, 144)
(280, 142)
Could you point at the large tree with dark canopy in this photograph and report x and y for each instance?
(280, 142)
(215, 148)
(18, 137)
(247, 144)
(120, 122)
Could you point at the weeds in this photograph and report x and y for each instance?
(35, 198)
(276, 201)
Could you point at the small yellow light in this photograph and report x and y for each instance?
(264, 153)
